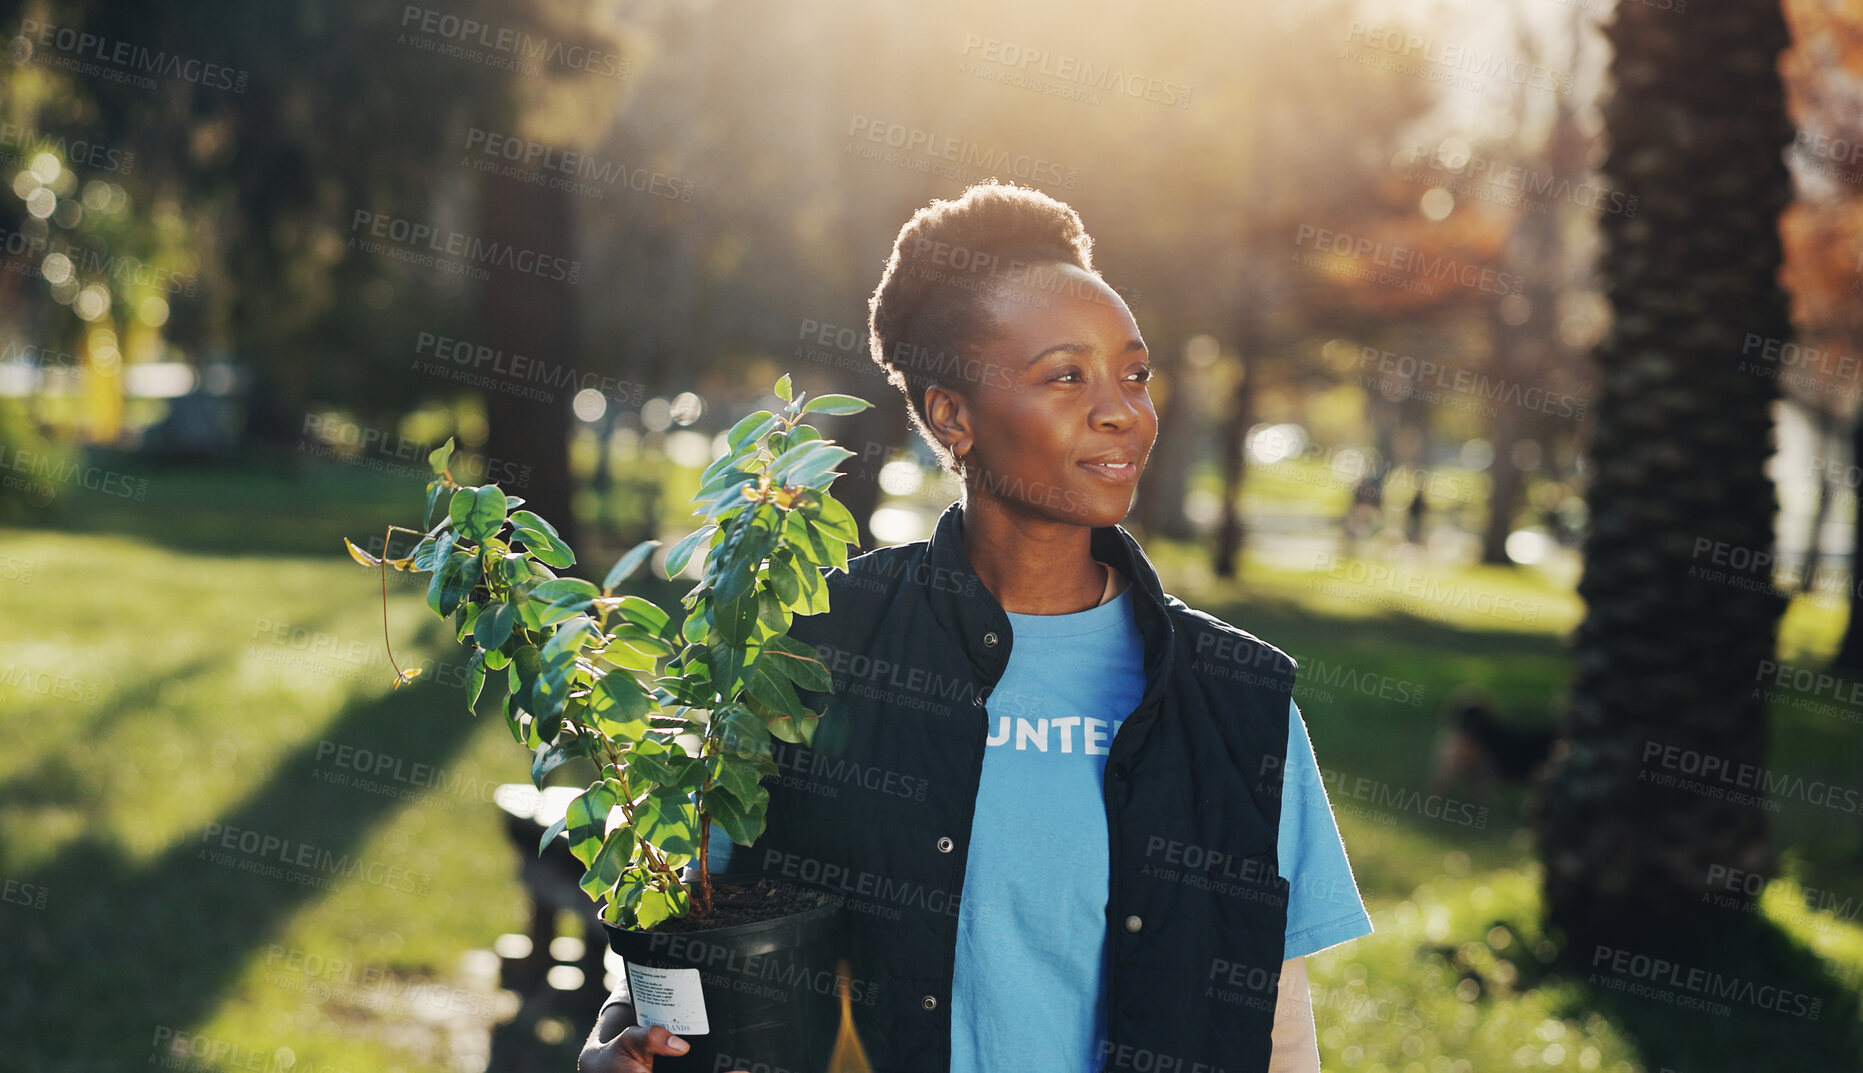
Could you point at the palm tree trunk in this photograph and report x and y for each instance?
(1678, 614)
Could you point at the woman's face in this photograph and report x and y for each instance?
(1061, 423)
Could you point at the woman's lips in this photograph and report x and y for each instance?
(1121, 474)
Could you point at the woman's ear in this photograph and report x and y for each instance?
(949, 419)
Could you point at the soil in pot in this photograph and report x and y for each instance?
(752, 985)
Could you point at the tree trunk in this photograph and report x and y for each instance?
(1850, 653)
(1666, 652)
(1234, 460)
(531, 314)
(1160, 508)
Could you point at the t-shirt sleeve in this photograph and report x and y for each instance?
(1323, 904)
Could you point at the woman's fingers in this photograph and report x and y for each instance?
(642, 1043)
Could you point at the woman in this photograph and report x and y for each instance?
(1077, 823)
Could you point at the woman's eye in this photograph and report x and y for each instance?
(1144, 374)
(1065, 375)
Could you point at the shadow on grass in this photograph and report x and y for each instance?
(1745, 997)
(1394, 631)
(125, 951)
(267, 504)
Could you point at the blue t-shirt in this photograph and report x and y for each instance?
(1029, 984)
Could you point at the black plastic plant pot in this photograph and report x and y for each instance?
(757, 995)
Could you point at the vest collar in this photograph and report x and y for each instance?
(968, 611)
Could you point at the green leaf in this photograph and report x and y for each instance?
(748, 542)
(803, 539)
(588, 819)
(802, 455)
(681, 552)
(478, 513)
(556, 828)
(610, 861)
(783, 579)
(782, 387)
(835, 521)
(738, 775)
(722, 492)
(750, 427)
(744, 734)
(430, 553)
(438, 459)
(652, 761)
(475, 681)
(463, 619)
(540, 539)
(433, 499)
(736, 618)
(619, 706)
(698, 623)
(773, 691)
(646, 614)
(667, 818)
(625, 567)
(743, 822)
(456, 580)
(772, 617)
(561, 649)
(493, 628)
(568, 607)
(656, 906)
(552, 591)
(797, 662)
(550, 757)
(835, 404)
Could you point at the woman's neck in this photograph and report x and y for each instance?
(1033, 566)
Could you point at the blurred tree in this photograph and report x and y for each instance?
(1823, 234)
(1666, 650)
(296, 135)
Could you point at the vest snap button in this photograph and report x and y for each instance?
(930, 1002)
(977, 700)
(1133, 923)
(945, 844)
(990, 639)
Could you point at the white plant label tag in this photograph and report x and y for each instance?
(672, 998)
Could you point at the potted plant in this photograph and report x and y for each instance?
(676, 714)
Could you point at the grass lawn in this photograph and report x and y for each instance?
(185, 678)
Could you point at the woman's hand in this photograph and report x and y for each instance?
(626, 1050)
